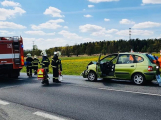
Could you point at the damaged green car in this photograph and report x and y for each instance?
(137, 67)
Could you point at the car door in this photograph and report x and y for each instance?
(98, 70)
(105, 66)
(125, 66)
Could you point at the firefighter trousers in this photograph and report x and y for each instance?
(55, 74)
(35, 69)
(29, 71)
(46, 74)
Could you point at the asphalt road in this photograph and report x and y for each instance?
(76, 98)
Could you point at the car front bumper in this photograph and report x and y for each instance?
(85, 73)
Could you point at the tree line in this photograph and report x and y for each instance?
(104, 47)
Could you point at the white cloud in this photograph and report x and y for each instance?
(43, 43)
(104, 32)
(99, 34)
(53, 11)
(134, 32)
(146, 25)
(159, 37)
(11, 25)
(112, 31)
(51, 24)
(126, 21)
(151, 1)
(88, 16)
(66, 27)
(10, 3)
(90, 28)
(98, 1)
(88, 40)
(90, 6)
(38, 33)
(96, 30)
(106, 19)
(69, 35)
(8, 13)
(4, 32)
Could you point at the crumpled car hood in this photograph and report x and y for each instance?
(92, 62)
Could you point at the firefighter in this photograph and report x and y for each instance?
(35, 64)
(29, 61)
(56, 65)
(45, 64)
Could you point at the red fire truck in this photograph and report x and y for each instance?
(11, 56)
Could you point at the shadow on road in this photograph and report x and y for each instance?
(6, 82)
(127, 82)
(56, 84)
(115, 83)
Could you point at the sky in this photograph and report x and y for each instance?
(56, 23)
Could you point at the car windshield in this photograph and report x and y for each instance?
(151, 58)
(108, 58)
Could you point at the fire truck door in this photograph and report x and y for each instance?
(6, 53)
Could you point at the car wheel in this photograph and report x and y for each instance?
(138, 78)
(92, 76)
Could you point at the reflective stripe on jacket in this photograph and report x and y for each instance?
(35, 62)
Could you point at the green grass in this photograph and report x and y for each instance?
(72, 65)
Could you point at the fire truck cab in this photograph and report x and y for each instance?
(11, 56)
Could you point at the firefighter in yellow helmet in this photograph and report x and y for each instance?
(29, 61)
(45, 64)
(35, 64)
(56, 65)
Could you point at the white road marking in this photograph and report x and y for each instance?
(3, 102)
(152, 94)
(48, 116)
(130, 92)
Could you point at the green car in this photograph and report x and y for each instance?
(137, 67)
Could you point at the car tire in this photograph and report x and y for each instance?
(138, 79)
(92, 76)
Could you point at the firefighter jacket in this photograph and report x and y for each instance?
(29, 61)
(35, 62)
(45, 62)
(56, 63)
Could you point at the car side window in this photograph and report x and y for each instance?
(125, 59)
(138, 59)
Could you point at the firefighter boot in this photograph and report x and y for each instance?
(46, 82)
(57, 81)
(43, 82)
(54, 80)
